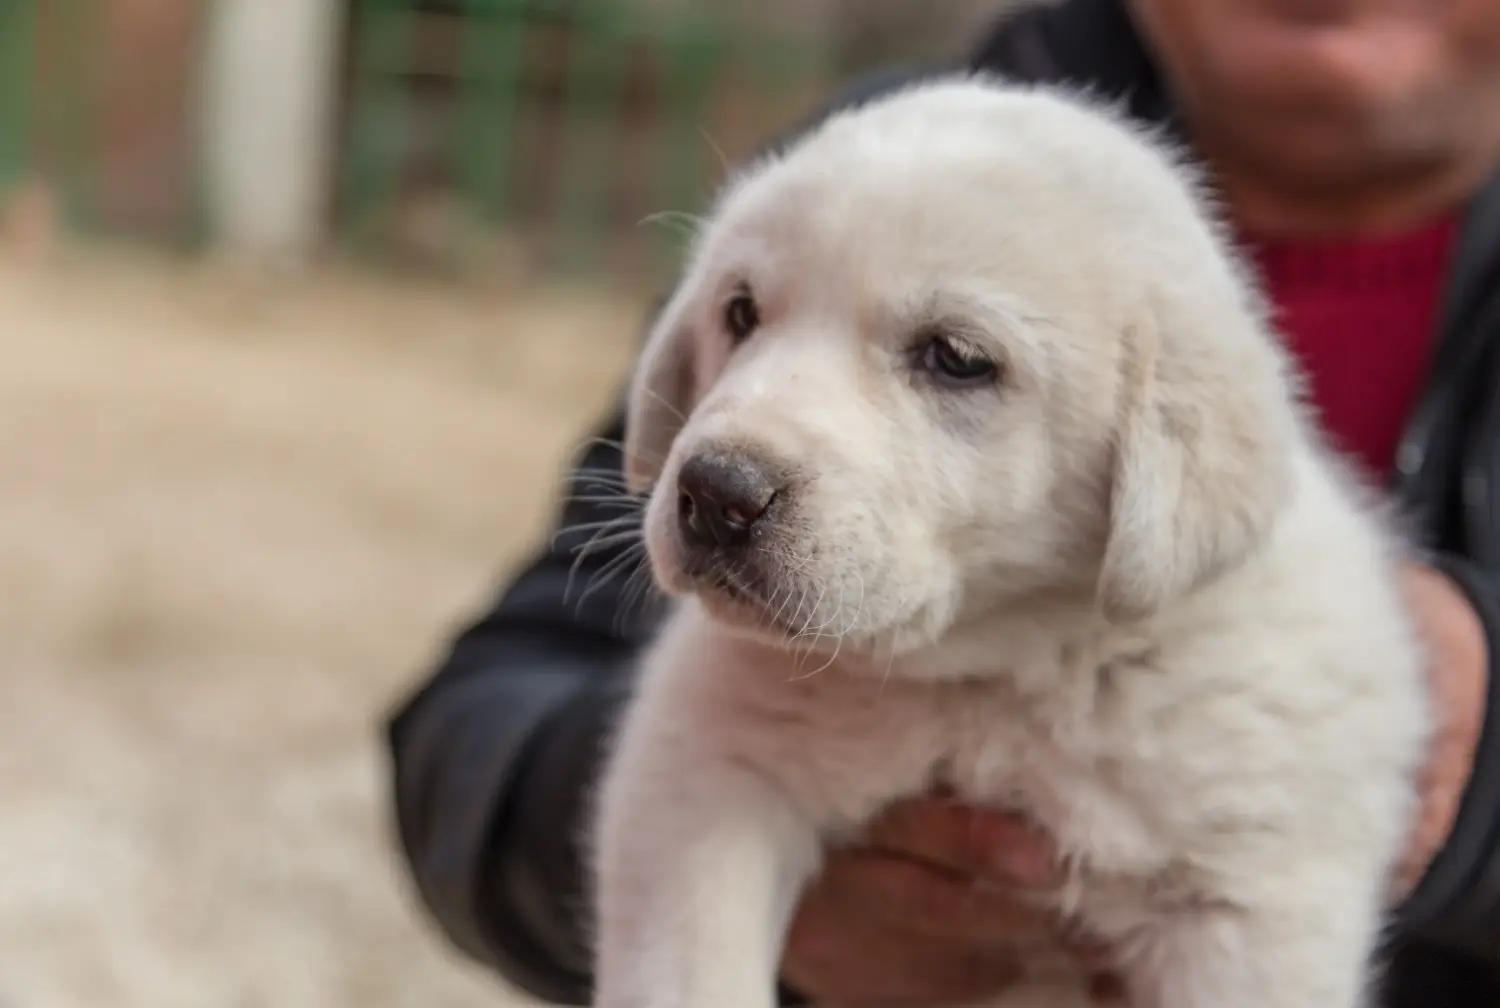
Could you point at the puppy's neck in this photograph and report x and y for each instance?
(1028, 642)
(1017, 641)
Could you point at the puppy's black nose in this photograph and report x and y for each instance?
(720, 497)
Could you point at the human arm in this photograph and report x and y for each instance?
(492, 751)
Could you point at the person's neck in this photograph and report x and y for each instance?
(1351, 208)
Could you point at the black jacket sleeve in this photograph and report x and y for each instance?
(492, 754)
(495, 754)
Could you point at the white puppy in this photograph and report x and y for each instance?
(976, 463)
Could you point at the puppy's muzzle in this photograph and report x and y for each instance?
(723, 500)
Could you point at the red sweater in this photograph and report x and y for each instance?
(1360, 316)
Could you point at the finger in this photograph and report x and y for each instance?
(1455, 643)
(978, 843)
(1091, 953)
(838, 957)
(919, 898)
(1107, 989)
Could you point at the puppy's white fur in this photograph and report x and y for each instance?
(1125, 590)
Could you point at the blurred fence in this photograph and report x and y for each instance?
(466, 132)
(96, 102)
(17, 50)
(556, 125)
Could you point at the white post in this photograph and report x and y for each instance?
(271, 74)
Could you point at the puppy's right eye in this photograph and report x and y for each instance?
(741, 316)
(955, 364)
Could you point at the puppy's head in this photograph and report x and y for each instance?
(961, 347)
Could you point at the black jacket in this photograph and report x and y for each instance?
(494, 754)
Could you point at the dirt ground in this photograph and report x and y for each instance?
(236, 519)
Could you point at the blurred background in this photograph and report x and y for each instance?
(302, 303)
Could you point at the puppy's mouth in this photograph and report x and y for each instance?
(735, 591)
(735, 582)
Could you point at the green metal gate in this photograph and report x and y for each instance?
(17, 31)
(557, 124)
(552, 127)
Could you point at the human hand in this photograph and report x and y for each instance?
(928, 910)
(1458, 675)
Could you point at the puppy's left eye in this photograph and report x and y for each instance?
(955, 364)
(741, 316)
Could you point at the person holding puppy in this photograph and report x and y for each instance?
(1356, 149)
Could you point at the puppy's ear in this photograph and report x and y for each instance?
(661, 394)
(1202, 465)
